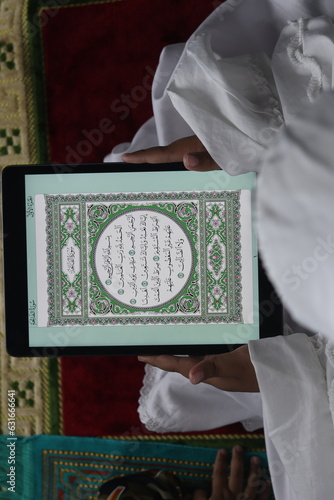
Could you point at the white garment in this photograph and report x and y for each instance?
(236, 28)
(237, 118)
(238, 122)
(295, 221)
(296, 379)
(169, 403)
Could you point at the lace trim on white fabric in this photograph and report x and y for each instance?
(150, 379)
(331, 398)
(330, 357)
(252, 424)
(295, 53)
(330, 352)
(317, 341)
(263, 85)
(324, 349)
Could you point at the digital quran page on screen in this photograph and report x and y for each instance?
(144, 258)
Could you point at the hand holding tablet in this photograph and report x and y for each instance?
(112, 260)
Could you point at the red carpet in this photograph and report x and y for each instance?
(99, 63)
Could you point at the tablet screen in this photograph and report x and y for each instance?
(141, 258)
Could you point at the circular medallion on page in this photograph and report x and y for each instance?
(143, 258)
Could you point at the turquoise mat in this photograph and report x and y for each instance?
(72, 468)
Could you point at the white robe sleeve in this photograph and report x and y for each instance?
(169, 403)
(236, 27)
(230, 104)
(295, 389)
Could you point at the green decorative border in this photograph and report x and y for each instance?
(211, 222)
(190, 227)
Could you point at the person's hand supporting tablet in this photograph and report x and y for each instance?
(231, 371)
(190, 150)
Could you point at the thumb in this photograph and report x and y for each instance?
(200, 162)
(208, 368)
(233, 371)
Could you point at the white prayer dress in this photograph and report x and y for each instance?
(255, 83)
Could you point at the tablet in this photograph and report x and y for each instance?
(131, 259)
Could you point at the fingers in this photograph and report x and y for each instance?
(218, 370)
(265, 495)
(158, 154)
(206, 369)
(223, 489)
(237, 471)
(171, 363)
(200, 495)
(190, 150)
(210, 370)
(166, 154)
(200, 162)
(232, 371)
(219, 478)
(257, 488)
(229, 372)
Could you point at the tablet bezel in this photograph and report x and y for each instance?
(15, 264)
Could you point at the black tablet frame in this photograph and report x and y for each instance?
(15, 267)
